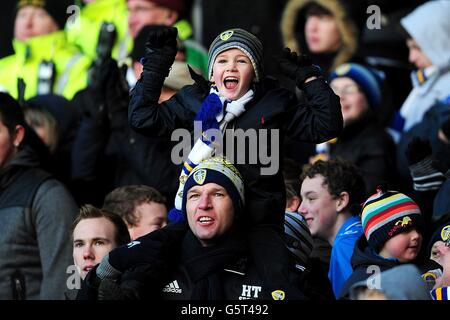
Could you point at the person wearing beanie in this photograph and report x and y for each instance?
(212, 261)
(363, 141)
(393, 226)
(441, 253)
(425, 109)
(236, 97)
(43, 59)
(439, 243)
(331, 194)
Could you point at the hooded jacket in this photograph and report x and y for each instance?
(36, 213)
(71, 66)
(348, 19)
(365, 263)
(432, 35)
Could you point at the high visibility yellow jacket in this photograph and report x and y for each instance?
(83, 31)
(70, 65)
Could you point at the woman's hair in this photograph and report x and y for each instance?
(11, 113)
(38, 117)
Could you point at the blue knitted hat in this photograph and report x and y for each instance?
(370, 80)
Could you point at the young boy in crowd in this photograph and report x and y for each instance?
(392, 224)
(331, 195)
(142, 208)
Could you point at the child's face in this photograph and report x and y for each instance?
(232, 73)
(318, 207)
(404, 246)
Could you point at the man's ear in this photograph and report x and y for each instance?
(19, 135)
(293, 204)
(172, 17)
(342, 201)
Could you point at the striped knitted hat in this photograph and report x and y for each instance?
(239, 39)
(386, 214)
(297, 237)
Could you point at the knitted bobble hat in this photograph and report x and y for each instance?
(386, 214)
(240, 39)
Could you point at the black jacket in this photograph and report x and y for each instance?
(370, 148)
(107, 155)
(225, 271)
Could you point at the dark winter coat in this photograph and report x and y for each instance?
(365, 263)
(36, 214)
(370, 148)
(107, 156)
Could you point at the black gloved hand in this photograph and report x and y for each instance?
(298, 68)
(160, 49)
(417, 150)
(152, 247)
(117, 98)
(92, 99)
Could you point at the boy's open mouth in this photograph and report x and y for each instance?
(230, 82)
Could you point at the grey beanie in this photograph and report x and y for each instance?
(239, 39)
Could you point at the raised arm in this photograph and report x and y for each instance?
(145, 115)
(320, 118)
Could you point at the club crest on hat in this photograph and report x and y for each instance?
(445, 233)
(343, 69)
(224, 36)
(278, 295)
(200, 176)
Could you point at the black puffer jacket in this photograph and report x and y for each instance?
(370, 148)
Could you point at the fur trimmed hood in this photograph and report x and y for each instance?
(346, 25)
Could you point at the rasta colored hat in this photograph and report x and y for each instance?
(297, 237)
(238, 39)
(217, 170)
(57, 9)
(368, 79)
(386, 214)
